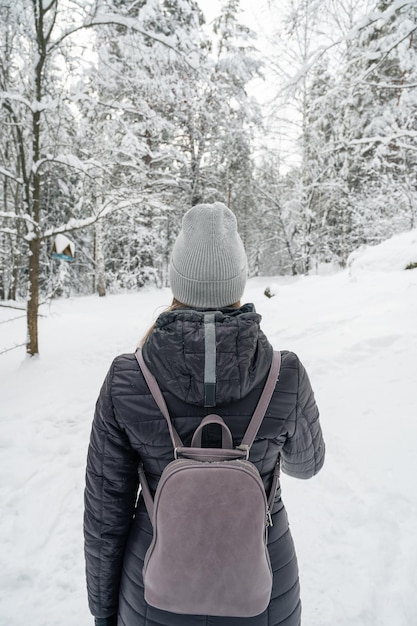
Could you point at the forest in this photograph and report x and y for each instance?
(116, 116)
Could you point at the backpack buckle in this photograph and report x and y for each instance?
(245, 448)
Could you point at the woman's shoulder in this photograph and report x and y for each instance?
(289, 360)
(125, 362)
(293, 374)
(126, 377)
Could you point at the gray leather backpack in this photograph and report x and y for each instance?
(210, 518)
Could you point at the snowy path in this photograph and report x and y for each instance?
(354, 524)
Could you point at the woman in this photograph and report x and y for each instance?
(207, 272)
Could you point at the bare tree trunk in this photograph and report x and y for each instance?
(32, 346)
(100, 276)
(196, 147)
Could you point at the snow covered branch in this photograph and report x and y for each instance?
(12, 306)
(10, 175)
(377, 17)
(12, 319)
(77, 224)
(70, 160)
(114, 19)
(384, 139)
(18, 345)
(16, 216)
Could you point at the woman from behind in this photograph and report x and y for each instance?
(208, 273)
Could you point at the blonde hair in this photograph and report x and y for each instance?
(175, 304)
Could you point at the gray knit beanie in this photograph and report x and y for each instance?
(208, 263)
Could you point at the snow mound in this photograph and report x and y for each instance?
(391, 255)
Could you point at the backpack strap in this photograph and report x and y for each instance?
(257, 417)
(146, 492)
(256, 421)
(158, 397)
(262, 405)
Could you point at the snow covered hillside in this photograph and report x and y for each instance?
(354, 524)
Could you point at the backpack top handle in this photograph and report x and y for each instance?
(227, 440)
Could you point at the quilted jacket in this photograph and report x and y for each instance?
(128, 427)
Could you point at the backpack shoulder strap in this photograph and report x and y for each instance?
(263, 403)
(158, 397)
(257, 417)
(247, 440)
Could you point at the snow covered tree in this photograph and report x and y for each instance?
(302, 68)
(29, 101)
(181, 123)
(275, 243)
(389, 67)
(353, 84)
(41, 161)
(237, 64)
(140, 80)
(215, 119)
(371, 151)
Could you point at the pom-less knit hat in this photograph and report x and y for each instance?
(208, 263)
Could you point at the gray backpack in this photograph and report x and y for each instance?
(210, 517)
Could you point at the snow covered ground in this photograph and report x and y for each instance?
(355, 524)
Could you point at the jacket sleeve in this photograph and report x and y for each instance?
(304, 450)
(110, 497)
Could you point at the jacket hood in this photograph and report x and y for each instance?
(175, 353)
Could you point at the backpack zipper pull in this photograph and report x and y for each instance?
(269, 519)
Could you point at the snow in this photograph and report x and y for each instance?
(392, 255)
(354, 524)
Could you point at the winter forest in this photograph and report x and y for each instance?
(117, 116)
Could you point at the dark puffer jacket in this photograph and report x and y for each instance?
(129, 427)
